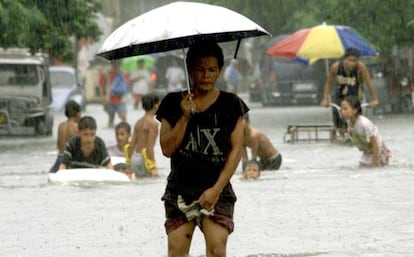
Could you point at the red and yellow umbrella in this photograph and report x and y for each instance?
(321, 42)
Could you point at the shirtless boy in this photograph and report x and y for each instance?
(66, 130)
(143, 139)
(261, 148)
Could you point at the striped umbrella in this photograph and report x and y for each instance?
(321, 42)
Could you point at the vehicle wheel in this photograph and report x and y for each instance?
(40, 127)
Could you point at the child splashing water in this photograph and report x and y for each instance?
(364, 134)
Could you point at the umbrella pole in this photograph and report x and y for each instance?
(237, 48)
(327, 66)
(331, 107)
(193, 110)
(186, 73)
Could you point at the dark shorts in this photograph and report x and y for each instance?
(223, 211)
(273, 163)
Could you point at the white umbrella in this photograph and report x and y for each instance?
(177, 26)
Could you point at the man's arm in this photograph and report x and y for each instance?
(328, 84)
(244, 154)
(367, 79)
(254, 146)
(171, 137)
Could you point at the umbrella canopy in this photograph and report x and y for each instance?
(177, 26)
(130, 64)
(321, 42)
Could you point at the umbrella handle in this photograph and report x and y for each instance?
(192, 110)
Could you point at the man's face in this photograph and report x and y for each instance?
(350, 62)
(205, 73)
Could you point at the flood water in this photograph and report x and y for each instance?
(319, 203)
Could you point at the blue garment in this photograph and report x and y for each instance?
(232, 75)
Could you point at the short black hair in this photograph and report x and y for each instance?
(204, 48)
(72, 108)
(351, 52)
(125, 125)
(149, 100)
(87, 122)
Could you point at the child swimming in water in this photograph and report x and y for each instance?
(364, 134)
(251, 170)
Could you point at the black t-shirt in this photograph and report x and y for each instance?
(197, 163)
(74, 158)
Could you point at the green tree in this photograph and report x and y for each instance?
(386, 24)
(50, 26)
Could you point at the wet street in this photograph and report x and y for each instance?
(319, 203)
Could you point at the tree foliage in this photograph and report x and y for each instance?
(383, 23)
(50, 26)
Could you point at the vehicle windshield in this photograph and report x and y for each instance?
(18, 74)
(61, 79)
(287, 70)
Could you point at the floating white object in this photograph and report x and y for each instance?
(73, 176)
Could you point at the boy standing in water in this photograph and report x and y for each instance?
(66, 130)
(364, 134)
(86, 150)
(261, 148)
(143, 139)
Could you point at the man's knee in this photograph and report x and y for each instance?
(216, 238)
(217, 250)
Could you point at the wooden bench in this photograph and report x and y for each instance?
(313, 132)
